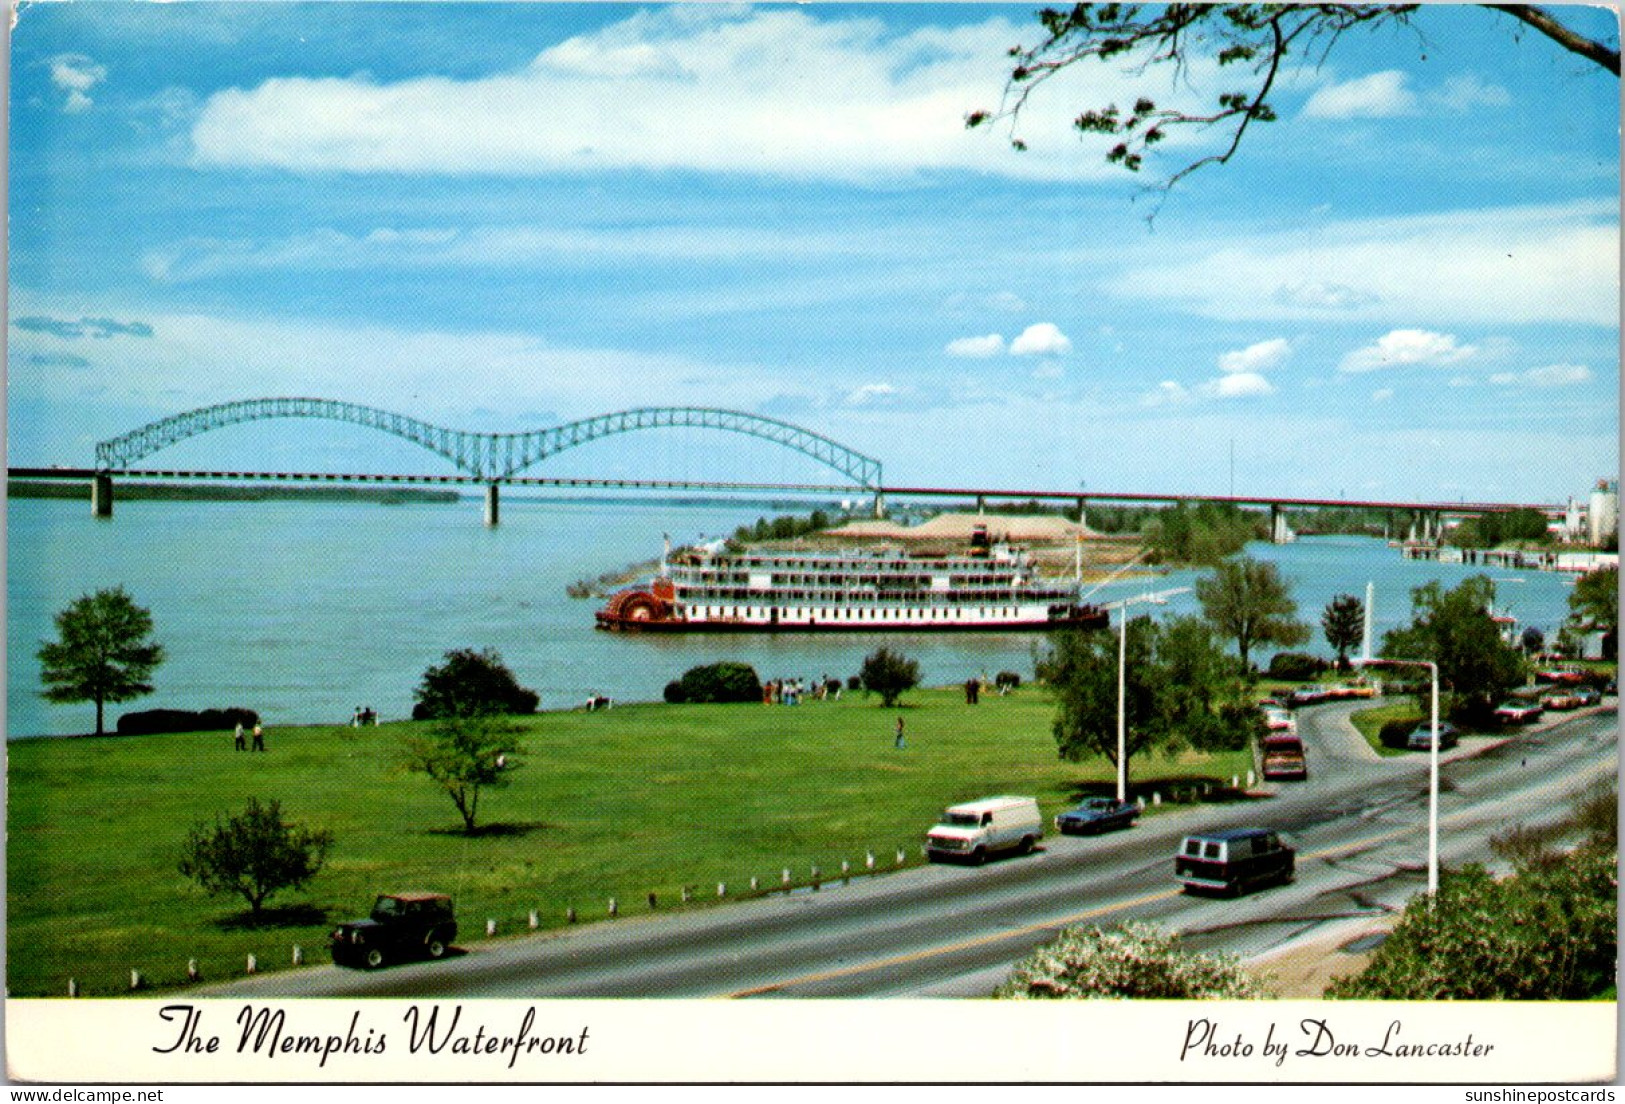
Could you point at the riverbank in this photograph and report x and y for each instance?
(623, 803)
(136, 491)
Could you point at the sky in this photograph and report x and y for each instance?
(505, 217)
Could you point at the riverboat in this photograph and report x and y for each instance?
(861, 590)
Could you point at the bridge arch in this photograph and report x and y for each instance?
(491, 457)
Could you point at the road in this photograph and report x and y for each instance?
(1359, 824)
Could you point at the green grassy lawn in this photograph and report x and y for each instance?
(638, 799)
(1370, 722)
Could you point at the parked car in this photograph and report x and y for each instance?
(1421, 737)
(1095, 815)
(1307, 695)
(1563, 700)
(1517, 712)
(1233, 860)
(1588, 696)
(1563, 676)
(401, 926)
(976, 829)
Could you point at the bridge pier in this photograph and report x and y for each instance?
(880, 505)
(1083, 513)
(493, 505)
(101, 495)
(981, 505)
(1280, 533)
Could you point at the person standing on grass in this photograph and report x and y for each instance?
(239, 744)
(259, 737)
(899, 743)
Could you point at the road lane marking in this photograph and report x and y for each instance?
(1011, 933)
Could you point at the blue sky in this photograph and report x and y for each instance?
(501, 217)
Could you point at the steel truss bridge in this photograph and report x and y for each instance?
(496, 458)
(487, 457)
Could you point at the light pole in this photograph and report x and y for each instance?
(1159, 598)
(1433, 760)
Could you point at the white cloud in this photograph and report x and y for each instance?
(798, 93)
(1382, 394)
(1551, 375)
(707, 88)
(1256, 358)
(326, 249)
(1238, 385)
(1327, 296)
(1407, 347)
(1388, 94)
(1465, 92)
(1377, 96)
(76, 75)
(1497, 266)
(439, 375)
(870, 394)
(976, 347)
(1166, 393)
(1041, 339)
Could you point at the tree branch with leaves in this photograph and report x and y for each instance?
(1254, 41)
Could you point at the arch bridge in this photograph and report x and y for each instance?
(490, 458)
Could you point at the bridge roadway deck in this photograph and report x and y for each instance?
(779, 488)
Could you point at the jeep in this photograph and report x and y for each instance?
(402, 925)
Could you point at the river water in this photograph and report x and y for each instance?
(304, 611)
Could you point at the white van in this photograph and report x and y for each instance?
(976, 829)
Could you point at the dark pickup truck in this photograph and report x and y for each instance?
(1233, 860)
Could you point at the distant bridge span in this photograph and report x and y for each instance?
(487, 457)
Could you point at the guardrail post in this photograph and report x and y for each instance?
(298, 955)
(490, 928)
(253, 966)
(536, 921)
(614, 907)
(191, 969)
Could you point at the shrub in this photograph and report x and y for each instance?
(148, 722)
(1135, 960)
(471, 684)
(716, 682)
(855, 682)
(1546, 933)
(1007, 678)
(1296, 666)
(1397, 734)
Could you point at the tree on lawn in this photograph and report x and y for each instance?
(462, 756)
(1248, 602)
(102, 653)
(1174, 682)
(1453, 628)
(889, 674)
(253, 855)
(1258, 41)
(1595, 603)
(469, 683)
(1344, 626)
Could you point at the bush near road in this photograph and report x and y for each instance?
(641, 798)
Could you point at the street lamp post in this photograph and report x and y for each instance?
(1159, 598)
(1433, 760)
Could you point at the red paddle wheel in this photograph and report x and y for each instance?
(636, 606)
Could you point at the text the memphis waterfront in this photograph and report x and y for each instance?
(267, 1031)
